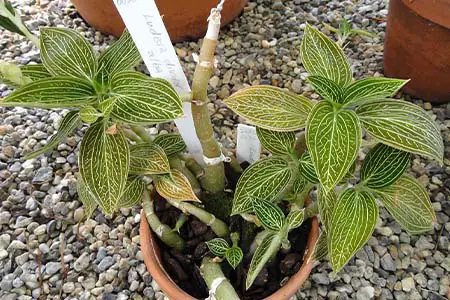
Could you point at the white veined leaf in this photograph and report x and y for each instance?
(148, 159)
(68, 124)
(265, 251)
(295, 218)
(328, 89)
(371, 89)
(306, 168)
(404, 126)
(35, 72)
(5, 21)
(327, 201)
(176, 186)
(270, 215)
(353, 221)
(265, 179)
(383, 165)
(409, 204)
(121, 56)
(234, 256)
(142, 100)
(52, 92)
(321, 56)
(320, 248)
(218, 246)
(65, 52)
(86, 197)
(271, 108)
(104, 161)
(333, 138)
(276, 142)
(171, 143)
(89, 114)
(133, 192)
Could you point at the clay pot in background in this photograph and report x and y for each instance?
(152, 259)
(417, 46)
(184, 19)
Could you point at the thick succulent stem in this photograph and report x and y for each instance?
(177, 163)
(214, 179)
(219, 286)
(130, 134)
(140, 131)
(219, 227)
(165, 233)
(300, 144)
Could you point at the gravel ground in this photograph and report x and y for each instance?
(41, 254)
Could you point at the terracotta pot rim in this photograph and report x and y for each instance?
(150, 251)
(437, 12)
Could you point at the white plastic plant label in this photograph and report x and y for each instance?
(248, 146)
(147, 28)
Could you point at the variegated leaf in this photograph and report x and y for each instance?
(121, 56)
(35, 72)
(306, 168)
(12, 75)
(171, 143)
(333, 138)
(409, 204)
(295, 218)
(234, 256)
(5, 21)
(143, 100)
(265, 251)
(133, 192)
(89, 114)
(64, 52)
(104, 161)
(300, 185)
(404, 126)
(327, 201)
(353, 221)
(53, 92)
(270, 215)
(218, 246)
(383, 165)
(371, 89)
(276, 142)
(148, 159)
(68, 124)
(176, 187)
(326, 88)
(86, 197)
(321, 56)
(320, 248)
(265, 179)
(271, 108)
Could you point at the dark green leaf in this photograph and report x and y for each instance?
(265, 179)
(104, 162)
(333, 138)
(35, 72)
(65, 52)
(133, 192)
(307, 169)
(234, 256)
(353, 221)
(327, 201)
(321, 247)
(218, 246)
(276, 142)
(404, 126)
(270, 215)
(54, 92)
(326, 88)
(321, 56)
(68, 124)
(86, 197)
(148, 159)
(143, 100)
(409, 204)
(372, 89)
(171, 143)
(5, 20)
(383, 165)
(271, 108)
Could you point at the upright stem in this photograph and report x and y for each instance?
(142, 133)
(214, 179)
(177, 163)
(220, 288)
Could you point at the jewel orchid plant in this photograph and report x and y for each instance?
(314, 147)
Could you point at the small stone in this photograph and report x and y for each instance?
(423, 244)
(82, 262)
(3, 254)
(43, 175)
(40, 230)
(387, 263)
(17, 245)
(52, 267)
(407, 284)
(68, 287)
(106, 263)
(5, 216)
(365, 293)
(78, 214)
(321, 278)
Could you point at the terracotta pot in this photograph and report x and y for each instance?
(183, 19)
(417, 46)
(152, 259)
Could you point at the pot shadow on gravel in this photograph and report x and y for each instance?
(184, 268)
